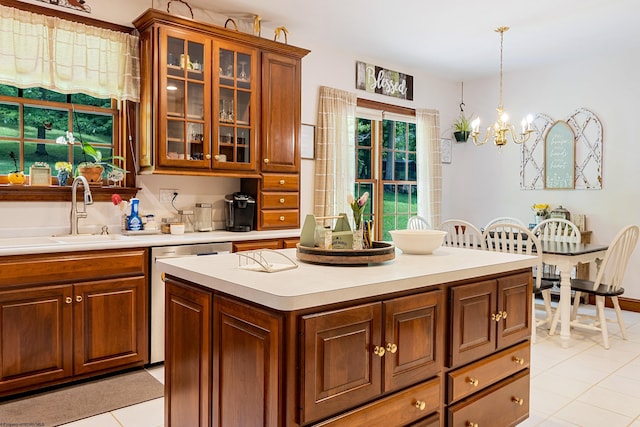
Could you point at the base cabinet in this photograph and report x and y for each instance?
(57, 332)
(371, 362)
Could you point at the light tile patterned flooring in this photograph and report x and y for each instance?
(580, 385)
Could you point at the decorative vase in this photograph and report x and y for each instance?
(540, 218)
(92, 173)
(63, 177)
(16, 178)
(358, 236)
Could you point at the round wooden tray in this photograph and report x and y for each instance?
(380, 252)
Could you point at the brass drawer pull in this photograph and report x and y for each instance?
(392, 347)
(378, 351)
(79, 298)
(281, 218)
(518, 360)
(281, 200)
(282, 182)
(266, 161)
(472, 381)
(68, 300)
(496, 316)
(517, 400)
(421, 404)
(471, 424)
(504, 314)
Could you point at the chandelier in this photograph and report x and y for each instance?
(499, 130)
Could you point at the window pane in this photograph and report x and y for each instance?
(93, 127)
(400, 167)
(7, 90)
(364, 164)
(387, 134)
(412, 136)
(10, 122)
(43, 94)
(364, 132)
(44, 123)
(82, 99)
(48, 152)
(6, 164)
(401, 135)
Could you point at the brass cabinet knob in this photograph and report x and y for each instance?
(281, 218)
(266, 160)
(281, 200)
(504, 314)
(496, 316)
(518, 360)
(471, 424)
(217, 157)
(378, 351)
(208, 157)
(517, 400)
(282, 182)
(421, 404)
(392, 347)
(68, 300)
(162, 276)
(472, 381)
(79, 298)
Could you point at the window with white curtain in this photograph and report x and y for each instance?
(386, 167)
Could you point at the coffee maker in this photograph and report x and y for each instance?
(239, 211)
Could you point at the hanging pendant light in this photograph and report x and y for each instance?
(499, 130)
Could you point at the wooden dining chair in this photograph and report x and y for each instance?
(505, 220)
(461, 234)
(555, 230)
(517, 239)
(607, 284)
(418, 223)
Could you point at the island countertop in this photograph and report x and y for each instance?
(312, 285)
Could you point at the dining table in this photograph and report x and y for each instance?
(565, 256)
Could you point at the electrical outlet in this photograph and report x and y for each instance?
(166, 195)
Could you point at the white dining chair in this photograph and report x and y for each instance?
(418, 223)
(517, 239)
(461, 234)
(505, 220)
(607, 284)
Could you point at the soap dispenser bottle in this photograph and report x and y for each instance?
(134, 223)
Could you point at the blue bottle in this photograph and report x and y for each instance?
(134, 223)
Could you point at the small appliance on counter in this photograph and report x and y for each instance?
(239, 211)
(203, 217)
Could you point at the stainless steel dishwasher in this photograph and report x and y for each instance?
(156, 324)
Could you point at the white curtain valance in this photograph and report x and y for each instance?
(68, 57)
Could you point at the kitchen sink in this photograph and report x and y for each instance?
(86, 238)
(15, 242)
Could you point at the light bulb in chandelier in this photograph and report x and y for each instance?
(501, 128)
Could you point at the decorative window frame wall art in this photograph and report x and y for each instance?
(588, 140)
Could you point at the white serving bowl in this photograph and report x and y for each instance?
(420, 242)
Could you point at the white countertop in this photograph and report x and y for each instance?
(49, 244)
(312, 285)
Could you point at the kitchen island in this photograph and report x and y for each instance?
(429, 340)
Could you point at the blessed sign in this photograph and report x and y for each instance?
(376, 79)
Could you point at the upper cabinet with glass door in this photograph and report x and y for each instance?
(185, 76)
(235, 107)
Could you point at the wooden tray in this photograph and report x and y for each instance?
(380, 252)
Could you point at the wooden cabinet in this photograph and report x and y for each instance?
(489, 315)
(210, 94)
(277, 200)
(251, 245)
(355, 354)
(55, 329)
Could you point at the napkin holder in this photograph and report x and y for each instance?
(341, 235)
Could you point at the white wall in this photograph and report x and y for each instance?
(483, 183)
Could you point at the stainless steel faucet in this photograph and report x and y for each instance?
(88, 200)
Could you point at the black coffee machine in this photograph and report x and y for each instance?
(239, 211)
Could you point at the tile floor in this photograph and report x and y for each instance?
(581, 385)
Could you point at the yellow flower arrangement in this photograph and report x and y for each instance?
(60, 166)
(541, 209)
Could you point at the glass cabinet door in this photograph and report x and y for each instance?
(185, 75)
(234, 108)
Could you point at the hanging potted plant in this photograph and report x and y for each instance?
(462, 128)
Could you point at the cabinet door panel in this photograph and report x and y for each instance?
(110, 323)
(247, 342)
(340, 368)
(35, 336)
(413, 328)
(514, 299)
(473, 332)
(280, 113)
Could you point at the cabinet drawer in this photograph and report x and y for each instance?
(279, 218)
(504, 404)
(280, 182)
(401, 408)
(255, 245)
(483, 373)
(277, 200)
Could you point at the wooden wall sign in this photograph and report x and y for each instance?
(72, 4)
(376, 79)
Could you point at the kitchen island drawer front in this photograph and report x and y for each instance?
(504, 404)
(276, 219)
(340, 369)
(485, 372)
(280, 182)
(279, 200)
(401, 408)
(71, 266)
